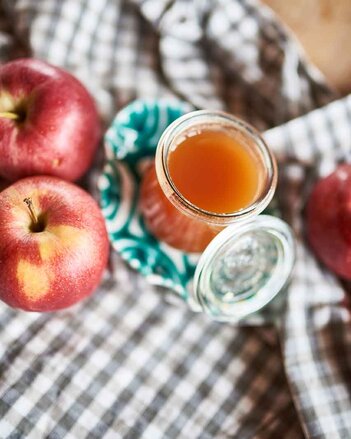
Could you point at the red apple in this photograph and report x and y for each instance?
(329, 221)
(48, 122)
(53, 246)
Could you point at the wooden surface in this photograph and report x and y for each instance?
(323, 28)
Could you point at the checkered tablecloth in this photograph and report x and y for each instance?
(125, 363)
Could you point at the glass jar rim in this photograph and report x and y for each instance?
(190, 209)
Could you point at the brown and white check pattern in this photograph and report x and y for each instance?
(125, 363)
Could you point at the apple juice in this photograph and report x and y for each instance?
(214, 172)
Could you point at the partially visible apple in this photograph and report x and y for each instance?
(53, 244)
(329, 221)
(48, 122)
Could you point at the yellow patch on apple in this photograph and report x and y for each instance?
(33, 279)
(7, 101)
(59, 239)
(19, 209)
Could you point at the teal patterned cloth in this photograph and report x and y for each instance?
(130, 144)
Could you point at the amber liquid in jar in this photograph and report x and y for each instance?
(211, 170)
(214, 172)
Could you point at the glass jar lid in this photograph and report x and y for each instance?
(244, 267)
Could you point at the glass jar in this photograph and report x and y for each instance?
(174, 219)
(248, 263)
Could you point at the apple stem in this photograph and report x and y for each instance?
(9, 115)
(30, 206)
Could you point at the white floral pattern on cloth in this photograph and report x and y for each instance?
(130, 144)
